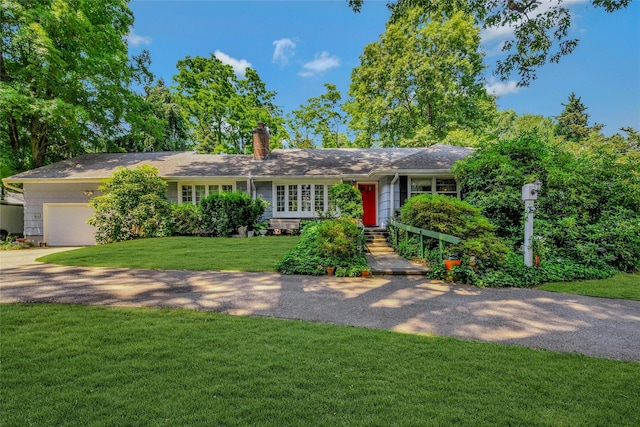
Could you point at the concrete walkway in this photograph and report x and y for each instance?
(394, 264)
(409, 304)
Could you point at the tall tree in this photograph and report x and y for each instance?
(540, 31)
(419, 82)
(321, 117)
(65, 76)
(221, 109)
(156, 122)
(573, 122)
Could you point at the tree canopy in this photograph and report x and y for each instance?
(221, 108)
(421, 80)
(321, 117)
(65, 77)
(540, 30)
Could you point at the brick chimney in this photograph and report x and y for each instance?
(260, 142)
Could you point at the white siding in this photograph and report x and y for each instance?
(384, 205)
(36, 195)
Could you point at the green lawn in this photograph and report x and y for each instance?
(622, 286)
(182, 253)
(79, 366)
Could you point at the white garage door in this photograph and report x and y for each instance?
(66, 224)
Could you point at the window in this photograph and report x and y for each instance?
(305, 195)
(419, 186)
(293, 198)
(194, 193)
(446, 186)
(200, 193)
(281, 201)
(187, 194)
(301, 199)
(318, 197)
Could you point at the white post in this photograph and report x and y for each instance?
(529, 194)
(528, 233)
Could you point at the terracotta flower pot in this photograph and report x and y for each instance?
(331, 270)
(450, 263)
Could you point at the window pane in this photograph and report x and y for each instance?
(200, 193)
(227, 188)
(319, 198)
(421, 185)
(280, 198)
(293, 198)
(214, 189)
(187, 194)
(446, 185)
(305, 192)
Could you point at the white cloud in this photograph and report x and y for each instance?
(501, 88)
(136, 39)
(322, 63)
(284, 49)
(239, 65)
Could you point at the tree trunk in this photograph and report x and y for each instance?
(38, 142)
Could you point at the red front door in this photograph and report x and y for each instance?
(368, 192)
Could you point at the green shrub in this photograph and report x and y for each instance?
(338, 238)
(451, 216)
(588, 210)
(186, 219)
(513, 273)
(134, 204)
(318, 249)
(347, 200)
(223, 213)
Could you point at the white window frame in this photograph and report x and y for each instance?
(206, 189)
(434, 186)
(299, 213)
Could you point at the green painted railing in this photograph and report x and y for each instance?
(442, 238)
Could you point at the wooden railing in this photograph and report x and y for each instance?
(442, 238)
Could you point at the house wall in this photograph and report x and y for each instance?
(172, 192)
(36, 194)
(264, 190)
(384, 201)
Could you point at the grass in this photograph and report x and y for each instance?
(182, 253)
(78, 366)
(621, 286)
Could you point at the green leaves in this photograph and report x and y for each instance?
(320, 118)
(540, 29)
(222, 109)
(64, 76)
(419, 82)
(134, 204)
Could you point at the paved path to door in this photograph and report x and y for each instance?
(566, 323)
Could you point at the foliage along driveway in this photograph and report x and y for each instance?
(559, 322)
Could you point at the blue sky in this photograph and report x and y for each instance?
(297, 46)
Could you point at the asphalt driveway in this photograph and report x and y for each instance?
(525, 317)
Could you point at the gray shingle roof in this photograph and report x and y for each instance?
(313, 162)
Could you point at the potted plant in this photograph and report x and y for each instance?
(451, 261)
(365, 271)
(331, 270)
(261, 227)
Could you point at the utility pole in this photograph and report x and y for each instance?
(529, 195)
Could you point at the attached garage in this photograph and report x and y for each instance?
(65, 224)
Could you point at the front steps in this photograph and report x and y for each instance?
(376, 241)
(383, 260)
